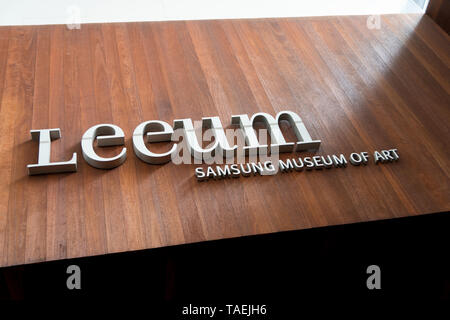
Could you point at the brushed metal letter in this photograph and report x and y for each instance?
(220, 145)
(279, 143)
(251, 140)
(44, 166)
(163, 134)
(107, 135)
(305, 142)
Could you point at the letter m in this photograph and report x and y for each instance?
(304, 142)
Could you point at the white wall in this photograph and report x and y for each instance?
(30, 12)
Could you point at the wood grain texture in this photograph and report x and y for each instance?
(356, 90)
(439, 11)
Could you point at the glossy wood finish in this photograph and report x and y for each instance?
(439, 11)
(356, 90)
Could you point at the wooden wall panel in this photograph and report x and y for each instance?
(439, 11)
(356, 89)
